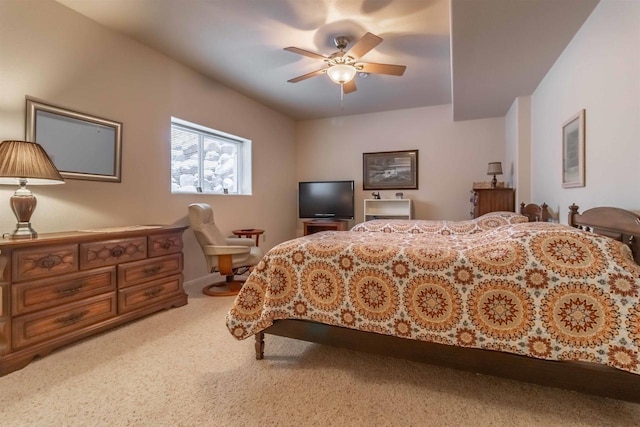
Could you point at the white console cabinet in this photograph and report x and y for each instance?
(387, 209)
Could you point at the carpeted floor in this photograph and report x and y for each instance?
(182, 368)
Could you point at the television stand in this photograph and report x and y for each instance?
(316, 225)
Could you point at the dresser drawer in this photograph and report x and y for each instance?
(110, 252)
(45, 293)
(48, 324)
(44, 261)
(133, 273)
(164, 244)
(140, 296)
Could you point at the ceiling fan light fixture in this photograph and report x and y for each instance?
(343, 66)
(341, 73)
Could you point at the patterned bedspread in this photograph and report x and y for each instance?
(482, 223)
(536, 289)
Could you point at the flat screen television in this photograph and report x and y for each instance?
(326, 199)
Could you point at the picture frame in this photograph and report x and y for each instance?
(573, 147)
(81, 146)
(390, 170)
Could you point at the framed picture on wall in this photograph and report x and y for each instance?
(573, 151)
(81, 146)
(390, 170)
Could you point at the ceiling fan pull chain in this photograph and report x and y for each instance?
(341, 96)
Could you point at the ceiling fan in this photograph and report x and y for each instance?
(342, 66)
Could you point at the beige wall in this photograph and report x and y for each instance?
(452, 155)
(54, 54)
(600, 72)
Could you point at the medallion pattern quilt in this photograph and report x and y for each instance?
(418, 226)
(536, 289)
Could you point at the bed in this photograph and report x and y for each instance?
(533, 301)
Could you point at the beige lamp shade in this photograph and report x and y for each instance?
(495, 168)
(22, 159)
(23, 163)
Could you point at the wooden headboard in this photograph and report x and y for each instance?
(535, 212)
(616, 223)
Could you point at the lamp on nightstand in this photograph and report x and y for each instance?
(23, 162)
(495, 168)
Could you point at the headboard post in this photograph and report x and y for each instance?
(573, 211)
(545, 212)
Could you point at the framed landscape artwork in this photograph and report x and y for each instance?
(390, 170)
(573, 151)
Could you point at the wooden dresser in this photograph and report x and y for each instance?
(61, 287)
(492, 200)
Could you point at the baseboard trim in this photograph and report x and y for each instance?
(207, 280)
(204, 280)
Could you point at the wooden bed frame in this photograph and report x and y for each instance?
(583, 377)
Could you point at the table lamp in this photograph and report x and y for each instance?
(495, 168)
(23, 162)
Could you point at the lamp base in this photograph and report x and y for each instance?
(494, 182)
(23, 203)
(24, 231)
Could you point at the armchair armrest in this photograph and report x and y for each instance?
(226, 250)
(240, 241)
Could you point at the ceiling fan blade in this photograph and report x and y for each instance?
(349, 86)
(364, 45)
(390, 69)
(307, 76)
(305, 53)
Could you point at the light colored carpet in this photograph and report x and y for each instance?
(182, 368)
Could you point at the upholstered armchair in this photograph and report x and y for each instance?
(227, 255)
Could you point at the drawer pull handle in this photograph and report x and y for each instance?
(49, 262)
(166, 244)
(117, 252)
(152, 270)
(72, 318)
(69, 291)
(154, 292)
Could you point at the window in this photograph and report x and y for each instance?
(204, 160)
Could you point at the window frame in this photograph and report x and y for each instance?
(243, 163)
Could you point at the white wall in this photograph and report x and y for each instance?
(510, 165)
(600, 72)
(517, 164)
(452, 155)
(55, 54)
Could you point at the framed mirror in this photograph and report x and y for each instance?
(80, 145)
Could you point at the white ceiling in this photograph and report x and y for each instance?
(500, 49)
